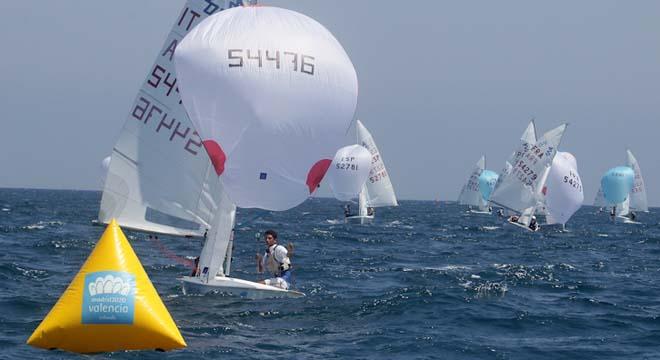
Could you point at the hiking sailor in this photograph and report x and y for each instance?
(275, 261)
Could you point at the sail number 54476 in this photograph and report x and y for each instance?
(274, 58)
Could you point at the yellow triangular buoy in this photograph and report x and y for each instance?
(110, 305)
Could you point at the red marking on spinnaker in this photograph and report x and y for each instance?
(216, 155)
(316, 173)
(544, 190)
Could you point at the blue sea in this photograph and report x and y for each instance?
(426, 281)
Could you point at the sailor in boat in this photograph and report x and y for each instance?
(195, 270)
(347, 210)
(276, 261)
(370, 211)
(613, 212)
(533, 225)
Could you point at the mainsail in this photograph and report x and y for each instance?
(521, 188)
(599, 200)
(378, 188)
(638, 193)
(470, 194)
(160, 178)
(528, 137)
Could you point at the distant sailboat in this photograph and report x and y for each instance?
(470, 194)
(599, 200)
(520, 191)
(617, 184)
(476, 191)
(378, 190)
(638, 199)
(635, 198)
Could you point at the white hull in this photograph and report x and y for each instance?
(625, 220)
(235, 287)
(481, 212)
(524, 226)
(357, 219)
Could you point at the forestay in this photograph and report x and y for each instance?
(521, 188)
(349, 171)
(272, 93)
(638, 191)
(379, 189)
(160, 178)
(564, 194)
(470, 194)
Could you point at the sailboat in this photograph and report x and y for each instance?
(270, 120)
(599, 200)
(183, 170)
(520, 191)
(472, 193)
(378, 190)
(635, 190)
(617, 183)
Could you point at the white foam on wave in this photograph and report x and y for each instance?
(334, 221)
(6, 209)
(42, 225)
(448, 268)
(490, 227)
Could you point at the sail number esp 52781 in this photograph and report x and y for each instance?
(275, 58)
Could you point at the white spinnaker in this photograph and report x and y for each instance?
(470, 194)
(349, 171)
(528, 137)
(160, 178)
(600, 199)
(380, 191)
(520, 190)
(564, 194)
(638, 193)
(272, 93)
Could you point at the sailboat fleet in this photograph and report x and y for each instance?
(248, 112)
(538, 179)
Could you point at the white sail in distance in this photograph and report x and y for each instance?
(638, 193)
(160, 178)
(521, 188)
(349, 171)
(379, 189)
(470, 194)
(564, 194)
(599, 200)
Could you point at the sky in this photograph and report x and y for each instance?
(440, 83)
